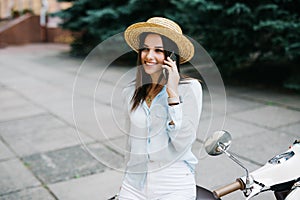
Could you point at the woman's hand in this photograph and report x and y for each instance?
(173, 80)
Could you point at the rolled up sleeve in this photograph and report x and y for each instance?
(175, 116)
(185, 116)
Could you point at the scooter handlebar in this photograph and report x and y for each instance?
(237, 185)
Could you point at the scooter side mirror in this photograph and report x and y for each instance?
(218, 143)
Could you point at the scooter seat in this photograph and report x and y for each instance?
(204, 194)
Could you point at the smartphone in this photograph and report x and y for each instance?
(172, 56)
(165, 72)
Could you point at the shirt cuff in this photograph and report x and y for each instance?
(175, 115)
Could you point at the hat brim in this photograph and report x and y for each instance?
(132, 33)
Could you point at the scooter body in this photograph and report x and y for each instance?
(204, 194)
(280, 174)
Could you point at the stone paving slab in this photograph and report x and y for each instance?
(293, 129)
(5, 152)
(105, 89)
(15, 106)
(63, 80)
(235, 105)
(118, 74)
(14, 102)
(89, 116)
(118, 144)
(208, 111)
(94, 69)
(82, 112)
(99, 186)
(10, 99)
(63, 109)
(107, 155)
(15, 176)
(29, 194)
(269, 97)
(70, 163)
(43, 140)
(110, 120)
(98, 120)
(20, 112)
(35, 49)
(6, 93)
(263, 146)
(39, 133)
(62, 165)
(32, 124)
(225, 105)
(8, 74)
(230, 104)
(109, 94)
(237, 128)
(38, 91)
(269, 116)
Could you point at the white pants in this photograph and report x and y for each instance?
(175, 182)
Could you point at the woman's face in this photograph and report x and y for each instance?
(152, 55)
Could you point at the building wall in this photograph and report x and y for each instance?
(7, 6)
(27, 29)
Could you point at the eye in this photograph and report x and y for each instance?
(144, 49)
(159, 50)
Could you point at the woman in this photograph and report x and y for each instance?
(162, 114)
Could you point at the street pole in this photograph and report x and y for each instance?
(43, 20)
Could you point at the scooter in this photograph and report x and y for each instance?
(280, 174)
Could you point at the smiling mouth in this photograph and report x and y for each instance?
(150, 63)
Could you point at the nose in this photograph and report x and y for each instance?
(150, 54)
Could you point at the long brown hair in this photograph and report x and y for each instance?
(143, 80)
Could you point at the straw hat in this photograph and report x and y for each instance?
(164, 27)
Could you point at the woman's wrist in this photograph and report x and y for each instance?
(173, 94)
(174, 100)
(173, 97)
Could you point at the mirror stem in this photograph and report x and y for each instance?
(224, 150)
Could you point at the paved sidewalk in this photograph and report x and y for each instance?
(41, 153)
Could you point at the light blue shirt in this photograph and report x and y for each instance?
(152, 138)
